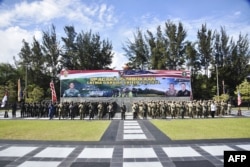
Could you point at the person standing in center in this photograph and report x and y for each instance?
(123, 111)
(213, 109)
(110, 110)
(51, 111)
(14, 107)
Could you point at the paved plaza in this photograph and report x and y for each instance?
(126, 143)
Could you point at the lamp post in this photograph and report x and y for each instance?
(26, 82)
(217, 80)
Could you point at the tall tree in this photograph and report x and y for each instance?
(69, 54)
(92, 52)
(137, 51)
(176, 45)
(51, 49)
(158, 49)
(205, 43)
(240, 55)
(24, 54)
(192, 57)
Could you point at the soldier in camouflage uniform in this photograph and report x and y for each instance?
(205, 109)
(91, 111)
(123, 111)
(199, 109)
(158, 109)
(177, 106)
(81, 111)
(218, 108)
(153, 109)
(140, 105)
(100, 110)
(190, 110)
(136, 113)
(173, 109)
(163, 109)
(182, 109)
(223, 107)
(209, 107)
(149, 108)
(144, 110)
(229, 108)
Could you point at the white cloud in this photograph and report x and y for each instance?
(24, 20)
(11, 42)
(40, 12)
(118, 60)
(237, 13)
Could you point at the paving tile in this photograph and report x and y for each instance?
(244, 146)
(96, 153)
(90, 164)
(180, 152)
(16, 151)
(133, 131)
(203, 163)
(131, 123)
(134, 136)
(128, 145)
(40, 164)
(132, 127)
(142, 164)
(4, 162)
(55, 152)
(139, 153)
(217, 150)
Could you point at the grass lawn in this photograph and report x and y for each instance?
(64, 130)
(219, 128)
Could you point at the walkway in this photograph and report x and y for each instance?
(125, 143)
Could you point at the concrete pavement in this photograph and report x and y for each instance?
(126, 143)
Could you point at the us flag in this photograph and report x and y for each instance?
(5, 99)
(53, 92)
(239, 98)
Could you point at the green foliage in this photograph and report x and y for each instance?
(9, 87)
(167, 48)
(35, 94)
(83, 48)
(205, 39)
(222, 97)
(244, 90)
(137, 51)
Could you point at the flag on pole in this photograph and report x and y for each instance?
(53, 92)
(4, 100)
(19, 90)
(239, 98)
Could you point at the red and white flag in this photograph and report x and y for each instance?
(4, 100)
(19, 90)
(239, 98)
(53, 92)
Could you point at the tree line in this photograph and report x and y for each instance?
(167, 47)
(213, 51)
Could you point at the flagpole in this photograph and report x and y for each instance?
(26, 83)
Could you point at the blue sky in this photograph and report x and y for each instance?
(115, 20)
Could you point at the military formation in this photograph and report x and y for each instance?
(141, 109)
(69, 110)
(180, 109)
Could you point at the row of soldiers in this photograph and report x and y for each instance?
(176, 109)
(67, 110)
